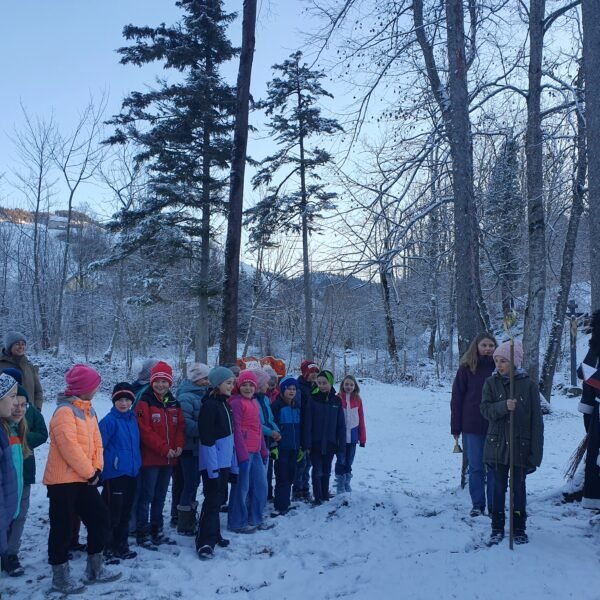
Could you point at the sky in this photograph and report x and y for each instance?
(56, 55)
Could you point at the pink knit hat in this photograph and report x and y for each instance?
(262, 377)
(247, 376)
(161, 370)
(81, 380)
(503, 350)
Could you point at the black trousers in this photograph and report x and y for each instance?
(209, 528)
(176, 488)
(321, 471)
(66, 501)
(501, 485)
(118, 494)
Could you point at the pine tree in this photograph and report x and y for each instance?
(503, 222)
(295, 203)
(182, 131)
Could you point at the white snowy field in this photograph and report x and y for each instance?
(404, 532)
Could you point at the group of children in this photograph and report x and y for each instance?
(232, 432)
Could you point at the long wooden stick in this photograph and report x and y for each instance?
(511, 446)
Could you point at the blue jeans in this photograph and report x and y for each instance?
(285, 472)
(481, 478)
(302, 481)
(501, 477)
(191, 478)
(248, 496)
(344, 460)
(153, 492)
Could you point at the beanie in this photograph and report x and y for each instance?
(198, 371)
(503, 350)
(161, 370)
(11, 338)
(307, 367)
(144, 374)
(247, 376)
(217, 375)
(287, 382)
(328, 375)
(123, 390)
(7, 383)
(262, 377)
(81, 380)
(15, 374)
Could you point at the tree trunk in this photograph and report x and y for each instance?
(229, 320)
(566, 269)
(390, 332)
(534, 312)
(590, 10)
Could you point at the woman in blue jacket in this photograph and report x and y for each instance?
(122, 462)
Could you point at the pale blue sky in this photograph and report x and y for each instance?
(55, 54)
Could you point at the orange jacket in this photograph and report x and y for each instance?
(75, 443)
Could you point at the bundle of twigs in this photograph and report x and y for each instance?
(576, 458)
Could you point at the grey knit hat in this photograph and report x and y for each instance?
(7, 383)
(147, 365)
(198, 371)
(11, 338)
(218, 375)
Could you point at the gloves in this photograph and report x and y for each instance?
(95, 478)
(300, 456)
(275, 453)
(233, 478)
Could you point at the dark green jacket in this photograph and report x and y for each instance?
(528, 427)
(36, 436)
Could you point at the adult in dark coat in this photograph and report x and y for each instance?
(590, 407)
(476, 365)
(13, 357)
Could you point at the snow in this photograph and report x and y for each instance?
(404, 532)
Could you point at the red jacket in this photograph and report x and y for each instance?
(356, 432)
(162, 428)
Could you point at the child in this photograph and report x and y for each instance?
(8, 474)
(356, 432)
(476, 365)
(217, 460)
(162, 434)
(306, 384)
(496, 407)
(249, 495)
(325, 433)
(122, 463)
(16, 429)
(190, 393)
(286, 411)
(269, 427)
(75, 462)
(37, 434)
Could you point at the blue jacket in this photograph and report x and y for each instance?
(121, 441)
(16, 448)
(267, 420)
(324, 424)
(215, 426)
(287, 417)
(190, 397)
(8, 489)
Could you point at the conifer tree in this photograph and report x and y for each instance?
(296, 196)
(182, 130)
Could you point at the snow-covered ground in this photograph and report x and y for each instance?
(404, 532)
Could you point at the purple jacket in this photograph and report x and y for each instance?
(465, 415)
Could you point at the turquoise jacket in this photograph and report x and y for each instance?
(16, 447)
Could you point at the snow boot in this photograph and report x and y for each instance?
(143, 540)
(186, 521)
(63, 582)
(340, 484)
(96, 572)
(158, 537)
(325, 493)
(347, 485)
(498, 519)
(12, 566)
(205, 552)
(519, 523)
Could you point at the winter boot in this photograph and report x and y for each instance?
(96, 572)
(63, 582)
(325, 495)
(519, 523)
(186, 521)
(205, 552)
(347, 485)
(143, 539)
(158, 537)
(498, 519)
(340, 484)
(12, 566)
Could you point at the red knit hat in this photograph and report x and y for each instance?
(161, 370)
(307, 367)
(81, 380)
(247, 376)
